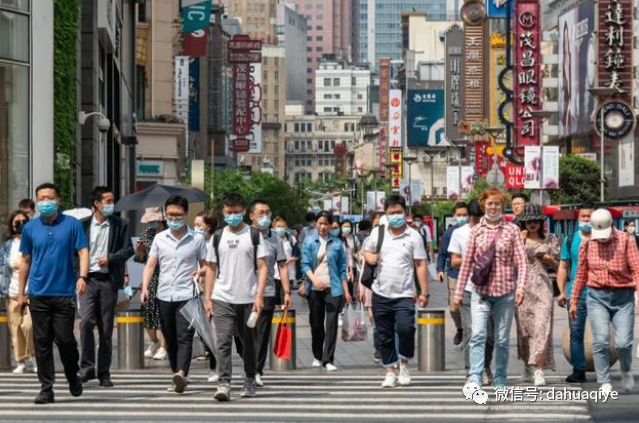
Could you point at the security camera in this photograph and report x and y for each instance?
(104, 125)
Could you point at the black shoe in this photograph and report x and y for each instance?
(87, 376)
(106, 383)
(377, 356)
(44, 397)
(75, 386)
(577, 376)
(458, 336)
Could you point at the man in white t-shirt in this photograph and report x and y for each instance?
(424, 231)
(234, 290)
(457, 250)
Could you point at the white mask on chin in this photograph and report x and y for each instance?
(496, 218)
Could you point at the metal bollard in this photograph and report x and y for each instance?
(130, 339)
(277, 364)
(432, 339)
(5, 341)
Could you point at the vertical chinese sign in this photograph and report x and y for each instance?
(454, 88)
(384, 91)
(395, 144)
(242, 53)
(615, 46)
(527, 72)
(181, 85)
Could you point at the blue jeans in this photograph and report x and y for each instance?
(500, 309)
(577, 329)
(616, 306)
(395, 322)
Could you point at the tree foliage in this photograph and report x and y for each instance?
(578, 181)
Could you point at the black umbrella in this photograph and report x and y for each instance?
(156, 196)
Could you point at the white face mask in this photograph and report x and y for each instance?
(495, 218)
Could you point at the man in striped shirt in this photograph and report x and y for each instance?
(609, 266)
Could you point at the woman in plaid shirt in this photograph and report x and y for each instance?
(496, 299)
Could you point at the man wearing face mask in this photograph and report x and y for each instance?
(629, 226)
(609, 267)
(109, 248)
(49, 247)
(569, 261)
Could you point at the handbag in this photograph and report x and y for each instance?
(368, 272)
(283, 338)
(484, 263)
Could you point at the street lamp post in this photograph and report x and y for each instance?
(410, 160)
(543, 116)
(459, 143)
(362, 178)
(432, 152)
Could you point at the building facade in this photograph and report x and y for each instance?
(258, 18)
(291, 33)
(341, 89)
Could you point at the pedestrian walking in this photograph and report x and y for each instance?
(260, 215)
(177, 252)
(609, 267)
(154, 219)
(457, 250)
(568, 268)
(535, 316)
(630, 227)
(449, 273)
(49, 247)
(20, 324)
(495, 249)
(425, 232)
(518, 204)
(235, 293)
(310, 228)
(27, 206)
(352, 246)
(402, 254)
(326, 287)
(109, 249)
(293, 255)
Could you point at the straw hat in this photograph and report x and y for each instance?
(152, 214)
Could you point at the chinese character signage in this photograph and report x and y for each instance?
(382, 148)
(527, 72)
(473, 64)
(615, 45)
(384, 88)
(483, 161)
(181, 88)
(395, 119)
(454, 84)
(397, 160)
(425, 120)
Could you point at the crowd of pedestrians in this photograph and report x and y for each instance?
(496, 270)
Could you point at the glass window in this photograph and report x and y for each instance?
(319, 49)
(327, 82)
(309, 128)
(320, 38)
(14, 36)
(336, 82)
(297, 129)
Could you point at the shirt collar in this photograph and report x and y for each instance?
(94, 222)
(59, 218)
(189, 233)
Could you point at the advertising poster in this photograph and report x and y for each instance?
(375, 201)
(453, 190)
(467, 177)
(577, 68)
(532, 164)
(181, 88)
(194, 95)
(426, 127)
(627, 161)
(414, 193)
(550, 167)
(395, 119)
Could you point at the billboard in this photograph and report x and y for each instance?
(454, 84)
(425, 122)
(181, 88)
(194, 95)
(384, 88)
(577, 69)
(395, 119)
(532, 165)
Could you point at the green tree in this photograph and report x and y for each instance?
(578, 181)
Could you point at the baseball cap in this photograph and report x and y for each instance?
(601, 221)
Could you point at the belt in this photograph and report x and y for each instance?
(98, 275)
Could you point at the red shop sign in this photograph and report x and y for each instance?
(515, 176)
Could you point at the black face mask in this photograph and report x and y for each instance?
(18, 227)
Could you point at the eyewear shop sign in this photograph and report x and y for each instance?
(426, 118)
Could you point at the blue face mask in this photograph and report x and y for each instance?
(396, 220)
(108, 210)
(279, 231)
(199, 232)
(346, 230)
(233, 220)
(585, 228)
(334, 232)
(462, 220)
(47, 208)
(175, 225)
(128, 292)
(264, 222)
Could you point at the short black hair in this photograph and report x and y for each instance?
(474, 209)
(417, 216)
(627, 223)
(395, 200)
(520, 195)
(587, 205)
(364, 225)
(48, 185)
(26, 203)
(98, 192)
(310, 217)
(233, 199)
(176, 200)
(255, 203)
(460, 205)
(376, 215)
(326, 214)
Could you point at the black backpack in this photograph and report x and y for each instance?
(255, 239)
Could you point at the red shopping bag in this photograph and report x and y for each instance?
(283, 338)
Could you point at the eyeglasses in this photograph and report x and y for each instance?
(174, 216)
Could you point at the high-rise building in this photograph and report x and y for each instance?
(257, 17)
(341, 88)
(291, 34)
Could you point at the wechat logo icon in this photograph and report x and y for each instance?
(473, 391)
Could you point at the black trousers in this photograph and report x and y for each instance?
(264, 324)
(324, 318)
(53, 319)
(178, 336)
(97, 308)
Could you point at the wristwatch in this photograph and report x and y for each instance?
(84, 278)
(425, 295)
(287, 293)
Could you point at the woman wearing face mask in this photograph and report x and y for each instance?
(324, 265)
(20, 323)
(154, 219)
(629, 226)
(497, 298)
(292, 251)
(535, 316)
(351, 243)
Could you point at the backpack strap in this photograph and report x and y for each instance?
(217, 238)
(380, 237)
(569, 247)
(255, 240)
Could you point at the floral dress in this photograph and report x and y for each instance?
(150, 312)
(535, 315)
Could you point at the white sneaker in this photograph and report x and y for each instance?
(34, 364)
(606, 387)
(151, 350)
(404, 374)
(20, 368)
(213, 377)
(258, 380)
(390, 381)
(330, 367)
(317, 363)
(627, 381)
(161, 354)
(540, 380)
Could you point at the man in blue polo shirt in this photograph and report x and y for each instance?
(49, 248)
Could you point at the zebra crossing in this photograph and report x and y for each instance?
(312, 397)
